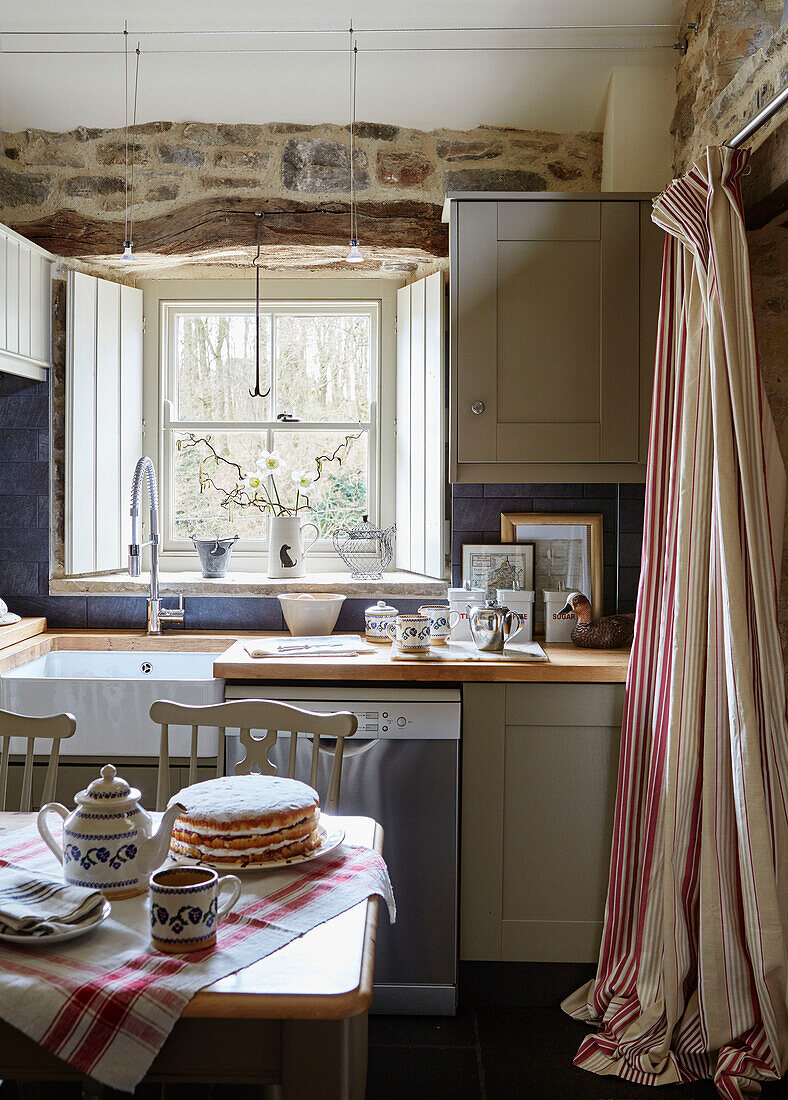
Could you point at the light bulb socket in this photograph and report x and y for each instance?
(354, 255)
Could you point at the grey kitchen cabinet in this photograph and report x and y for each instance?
(539, 769)
(553, 312)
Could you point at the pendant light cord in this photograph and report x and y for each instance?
(128, 183)
(134, 126)
(353, 70)
(126, 116)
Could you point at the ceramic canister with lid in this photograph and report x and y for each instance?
(557, 628)
(459, 598)
(521, 601)
(376, 619)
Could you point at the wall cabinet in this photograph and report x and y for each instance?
(539, 769)
(25, 307)
(553, 313)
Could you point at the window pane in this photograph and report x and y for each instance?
(215, 366)
(339, 497)
(323, 366)
(200, 512)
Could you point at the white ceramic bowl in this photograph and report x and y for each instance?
(308, 614)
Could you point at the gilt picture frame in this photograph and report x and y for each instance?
(491, 567)
(567, 551)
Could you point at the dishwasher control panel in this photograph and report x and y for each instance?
(384, 713)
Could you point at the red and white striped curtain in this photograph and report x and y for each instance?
(692, 976)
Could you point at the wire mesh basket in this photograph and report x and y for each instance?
(365, 549)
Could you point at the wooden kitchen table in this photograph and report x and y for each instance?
(297, 1018)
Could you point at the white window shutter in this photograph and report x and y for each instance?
(130, 403)
(103, 418)
(421, 434)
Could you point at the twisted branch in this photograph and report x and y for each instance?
(239, 496)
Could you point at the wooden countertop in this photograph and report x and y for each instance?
(565, 664)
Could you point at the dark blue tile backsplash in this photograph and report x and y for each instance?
(476, 517)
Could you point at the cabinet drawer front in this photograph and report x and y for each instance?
(548, 221)
(564, 704)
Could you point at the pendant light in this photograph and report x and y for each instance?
(354, 255)
(128, 227)
(257, 392)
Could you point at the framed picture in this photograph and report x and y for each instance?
(567, 553)
(491, 567)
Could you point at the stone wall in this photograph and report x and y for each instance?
(735, 64)
(197, 185)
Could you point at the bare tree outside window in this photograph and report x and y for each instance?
(318, 363)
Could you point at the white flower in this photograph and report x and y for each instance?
(253, 482)
(304, 480)
(269, 461)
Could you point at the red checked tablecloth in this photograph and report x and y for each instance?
(106, 1003)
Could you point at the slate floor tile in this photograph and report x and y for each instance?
(423, 1031)
(423, 1073)
(534, 1047)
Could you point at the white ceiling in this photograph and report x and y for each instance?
(559, 90)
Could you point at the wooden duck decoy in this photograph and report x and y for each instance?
(609, 632)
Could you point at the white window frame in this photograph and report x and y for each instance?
(161, 419)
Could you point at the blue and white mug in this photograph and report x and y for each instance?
(410, 633)
(441, 624)
(184, 907)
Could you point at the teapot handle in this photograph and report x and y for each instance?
(43, 828)
(520, 622)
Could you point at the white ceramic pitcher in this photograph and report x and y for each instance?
(286, 549)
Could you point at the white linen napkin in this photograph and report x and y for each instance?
(330, 645)
(31, 905)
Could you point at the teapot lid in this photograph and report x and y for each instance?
(381, 608)
(110, 788)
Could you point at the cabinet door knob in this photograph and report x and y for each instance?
(477, 407)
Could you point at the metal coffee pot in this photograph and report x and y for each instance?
(491, 625)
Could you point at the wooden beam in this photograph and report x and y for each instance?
(209, 227)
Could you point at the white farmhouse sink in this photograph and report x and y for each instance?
(110, 694)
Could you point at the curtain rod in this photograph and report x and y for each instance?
(763, 116)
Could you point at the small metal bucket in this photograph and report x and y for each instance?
(214, 554)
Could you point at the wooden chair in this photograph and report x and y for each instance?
(248, 715)
(54, 728)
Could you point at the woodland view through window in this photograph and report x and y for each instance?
(318, 365)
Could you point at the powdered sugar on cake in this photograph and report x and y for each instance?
(241, 797)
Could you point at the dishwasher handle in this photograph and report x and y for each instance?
(353, 746)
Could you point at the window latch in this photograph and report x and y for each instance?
(286, 418)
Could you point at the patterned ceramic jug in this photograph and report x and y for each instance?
(108, 841)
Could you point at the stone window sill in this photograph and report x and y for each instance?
(394, 584)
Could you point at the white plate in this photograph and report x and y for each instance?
(59, 937)
(330, 839)
(9, 618)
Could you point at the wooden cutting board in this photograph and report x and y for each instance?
(18, 632)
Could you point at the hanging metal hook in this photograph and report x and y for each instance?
(257, 392)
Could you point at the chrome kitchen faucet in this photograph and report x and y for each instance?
(157, 615)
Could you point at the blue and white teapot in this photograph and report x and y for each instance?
(108, 841)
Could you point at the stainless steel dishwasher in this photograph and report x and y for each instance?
(402, 769)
